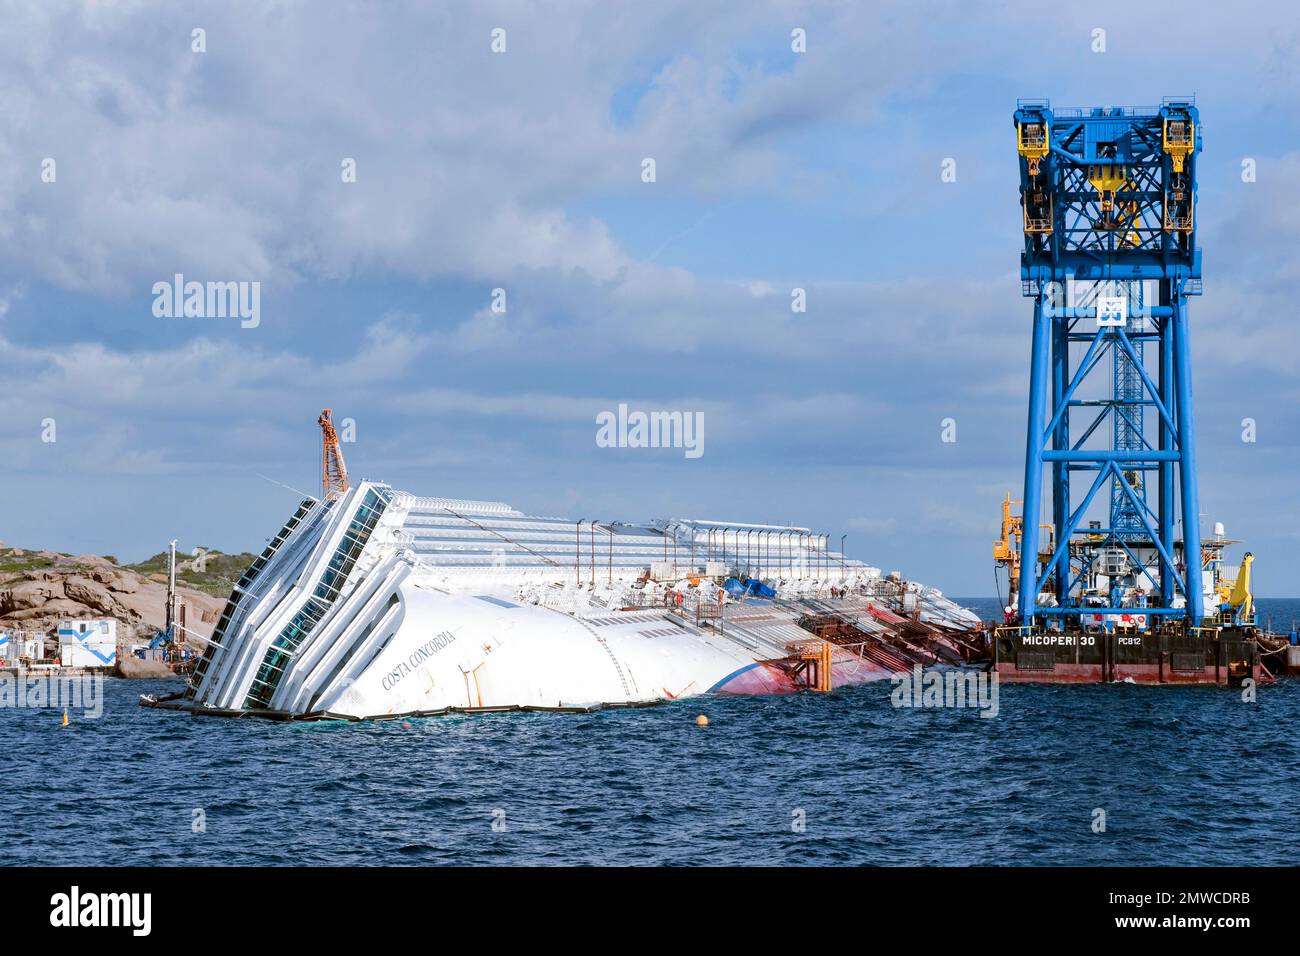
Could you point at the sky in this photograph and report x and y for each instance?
(523, 169)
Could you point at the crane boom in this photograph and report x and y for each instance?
(1241, 597)
(333, 470)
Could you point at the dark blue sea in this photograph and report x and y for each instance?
(1184, 776)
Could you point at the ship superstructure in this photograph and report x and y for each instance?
(383, 603)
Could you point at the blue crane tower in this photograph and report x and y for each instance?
(1128, 424)
(1110, 259)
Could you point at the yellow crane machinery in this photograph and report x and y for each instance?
(1006, 549)
(1108, 180)
(1031, 143)
(1179, 139)
(333, 471)
(1239, 596)
(1179, 142)
(1128, 219)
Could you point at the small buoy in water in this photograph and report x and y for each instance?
(65, 718)
(701, 721)
(406, 725)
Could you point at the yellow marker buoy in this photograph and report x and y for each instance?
(65, 718)
(701, 721)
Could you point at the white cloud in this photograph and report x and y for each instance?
(477, 170)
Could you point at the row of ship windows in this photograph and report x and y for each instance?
(331, 581)
(245, 580)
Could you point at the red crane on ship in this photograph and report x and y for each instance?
(333, 471)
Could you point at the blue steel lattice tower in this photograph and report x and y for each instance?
(1128, 424)
(1108, 198)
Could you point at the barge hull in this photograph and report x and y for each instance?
(1037, 656)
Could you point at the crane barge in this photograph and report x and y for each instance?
(1110, 262)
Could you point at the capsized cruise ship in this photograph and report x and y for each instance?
(384, 604)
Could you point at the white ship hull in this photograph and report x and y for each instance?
(383, 604)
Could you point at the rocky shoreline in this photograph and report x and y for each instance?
(40, 588)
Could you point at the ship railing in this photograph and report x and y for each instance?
(703, 612)
(709, 614)
(811, 646)
(1225, 618)
(1013, 630)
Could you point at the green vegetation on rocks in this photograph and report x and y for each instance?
(213, 573)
